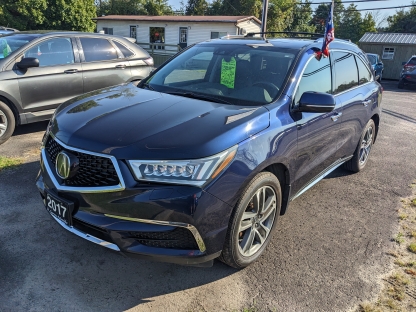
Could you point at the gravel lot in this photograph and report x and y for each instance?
(328, 254)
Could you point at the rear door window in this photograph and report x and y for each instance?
(126, 52)
(97, 49)
(363, 72)
(346, 73)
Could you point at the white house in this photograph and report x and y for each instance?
(176, 30)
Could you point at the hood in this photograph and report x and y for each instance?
(131, 123)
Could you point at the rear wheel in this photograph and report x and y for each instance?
(7, 122)
(401, 84)
(252, 221)
(380, 77)
(362, 152)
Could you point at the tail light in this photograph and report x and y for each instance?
(409, 67)
(149, 61)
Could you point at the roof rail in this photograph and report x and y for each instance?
(290, 34)
(239, 37)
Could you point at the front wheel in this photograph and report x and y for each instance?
(252, 221)
(362, 152)
(7, 122)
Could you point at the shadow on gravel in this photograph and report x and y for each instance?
(398, 115)
(29, 128)
(53, 269)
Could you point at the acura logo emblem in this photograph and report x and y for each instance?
(66, 165)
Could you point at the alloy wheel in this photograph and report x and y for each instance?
(257, 221)
(366, 145)
(3, 123)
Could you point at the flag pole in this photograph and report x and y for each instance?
(264, 17)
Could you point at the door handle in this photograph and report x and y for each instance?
(71, 71)
(366, 103)
(121, 66)
(336, 116)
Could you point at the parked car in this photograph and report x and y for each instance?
(408, 73)
(6, 30)
(377, 65)
(39, 71)
(198, 162)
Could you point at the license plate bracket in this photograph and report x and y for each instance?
(59, 207)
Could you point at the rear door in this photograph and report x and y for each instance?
(317, 132)
(57, 79)
(352, 90)
(102, 65)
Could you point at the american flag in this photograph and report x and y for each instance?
(329, 33)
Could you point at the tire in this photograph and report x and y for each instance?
(401, 84)
(7, 122)
(260, 222)
(362, 152)
(380, 77)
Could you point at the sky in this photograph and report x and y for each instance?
(362, 5)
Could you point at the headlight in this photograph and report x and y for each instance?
(192, 172)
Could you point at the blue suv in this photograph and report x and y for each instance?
(200, 159)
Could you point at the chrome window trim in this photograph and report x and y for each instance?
(83, 189)
(189, 227)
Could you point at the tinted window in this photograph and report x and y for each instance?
(316, 77)
(98, 49)
(126, 52)
(412, 61)
(346, 74)
(235, 73)
(56, 51)
(363, 72)
(11, 43)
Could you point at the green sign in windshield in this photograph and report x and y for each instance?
(228, 73)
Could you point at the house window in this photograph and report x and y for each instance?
(218, 34)
(388, 53)
(133, 32)
(157, 35)
(108, 31)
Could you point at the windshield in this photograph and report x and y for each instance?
(239, 74)
(9, 44)
(372, 59)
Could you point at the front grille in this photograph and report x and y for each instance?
(93, 170)
(179, 238)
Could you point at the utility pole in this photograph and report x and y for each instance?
(264, 17)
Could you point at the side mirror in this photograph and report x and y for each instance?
(28, 62)
(316, 102)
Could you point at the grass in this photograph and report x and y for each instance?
(413, 202)
(399, 238)
(8, 162)
(412, 247)
(403, 217)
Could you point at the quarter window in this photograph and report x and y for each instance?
(126, 52)
(364, 74)
(96, 49)
(56, 51)
(346, 73)
(316, 77)
(388, 53)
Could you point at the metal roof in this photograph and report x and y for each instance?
(179, 18)
(389, 38)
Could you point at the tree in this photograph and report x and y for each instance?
(320, 16)
(379, 18)
(120, 7)
(158, 7)
(301, 18)
(22, 14)
(70, 15)
(368, 24)
(350, 25)
(403, 21)
(280, 14)
(215, 8)
(196, 7)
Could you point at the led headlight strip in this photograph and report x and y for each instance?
(195, 172)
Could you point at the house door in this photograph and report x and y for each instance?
(183, 37)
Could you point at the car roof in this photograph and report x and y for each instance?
(293, 43)
(50, 33)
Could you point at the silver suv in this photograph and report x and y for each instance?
(39, 71)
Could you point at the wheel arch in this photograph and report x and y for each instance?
(376, 119)
(12, 106)
(283, 175)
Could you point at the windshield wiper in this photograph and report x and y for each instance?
(199, 97)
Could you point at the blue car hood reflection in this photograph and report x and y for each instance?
(132, 123)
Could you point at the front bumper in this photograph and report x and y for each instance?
(177, 224)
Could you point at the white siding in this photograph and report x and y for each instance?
(197, 32)
(250, 26)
